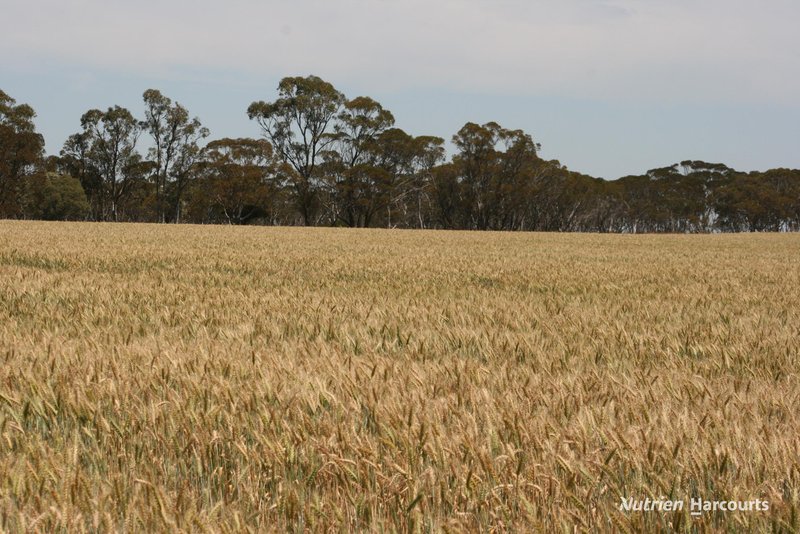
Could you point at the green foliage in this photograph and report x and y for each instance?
(298, 125)
(21, 151)
(175, 150)
(59, 198)
(105, 151)
(236, 183)
(325, 159)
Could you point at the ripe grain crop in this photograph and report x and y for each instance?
(226, 379)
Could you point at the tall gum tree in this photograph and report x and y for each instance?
(299, 127)
(236, 178)
(175, 150)
(492, 163)
(21, 151)
(352, 167)
(109, 139)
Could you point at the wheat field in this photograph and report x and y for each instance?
(230, 379)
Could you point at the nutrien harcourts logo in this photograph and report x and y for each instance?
(697, 506)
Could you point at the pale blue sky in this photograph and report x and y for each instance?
(609, 87)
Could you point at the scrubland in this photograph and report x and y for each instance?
(227, 379)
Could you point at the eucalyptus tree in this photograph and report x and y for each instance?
(235, 180)
(493, 165)
(427, 153)
(355, 179)
(21, 151)
(174, 152)
(403, 159)
(107, 146)
(299, 126)
(75, 161)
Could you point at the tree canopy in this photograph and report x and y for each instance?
(326, 159)
(21, 152)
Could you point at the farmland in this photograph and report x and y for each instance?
(190, 378)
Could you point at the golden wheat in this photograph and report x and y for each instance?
(226, 379)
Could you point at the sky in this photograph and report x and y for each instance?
(608, 87)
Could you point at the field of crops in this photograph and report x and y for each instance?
(186, 378)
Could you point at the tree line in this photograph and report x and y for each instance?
(324, 159)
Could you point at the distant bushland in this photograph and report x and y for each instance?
(328, 160)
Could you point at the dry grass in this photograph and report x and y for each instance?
(163, 378)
